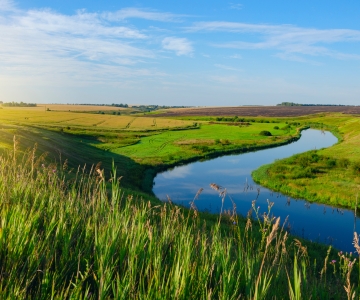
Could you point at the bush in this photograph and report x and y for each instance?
(276, 127)
(265, 133)
(331, 163)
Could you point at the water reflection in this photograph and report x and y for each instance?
(313, 221)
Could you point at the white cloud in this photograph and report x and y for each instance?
(82, 46)
(131, 12)
(181, 46)
(7, 5)
(285, 38)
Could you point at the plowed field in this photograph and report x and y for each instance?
(267, 111)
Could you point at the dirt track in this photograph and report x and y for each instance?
(268, 111)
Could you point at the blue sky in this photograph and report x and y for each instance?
(180, 52)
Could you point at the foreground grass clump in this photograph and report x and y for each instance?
(82, 239)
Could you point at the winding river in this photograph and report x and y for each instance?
(316, 222)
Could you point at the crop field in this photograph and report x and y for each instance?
(85, 108)
(34, 116)
(266, 111)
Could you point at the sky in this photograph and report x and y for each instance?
(192, 53)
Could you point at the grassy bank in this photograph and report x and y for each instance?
(329, 175)
(86, 239)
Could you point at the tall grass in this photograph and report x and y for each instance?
(83, 239)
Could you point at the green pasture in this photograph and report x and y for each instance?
(177, 145)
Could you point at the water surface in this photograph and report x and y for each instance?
(316, 222)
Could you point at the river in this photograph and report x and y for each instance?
(316, 222)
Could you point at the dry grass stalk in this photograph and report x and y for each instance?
(349, 288)
(272, 234)
(248, 225)
(356, 243)
(269, 239)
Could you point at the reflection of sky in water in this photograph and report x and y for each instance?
(178, 172)
(315, 222)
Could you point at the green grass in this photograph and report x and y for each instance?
(330, 175)
(86, 239)
(172, 146)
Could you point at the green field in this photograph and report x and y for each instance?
(139, 146)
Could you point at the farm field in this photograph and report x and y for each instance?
(38, 117)
(253, 111)
(135, 143)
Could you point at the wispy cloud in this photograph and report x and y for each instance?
(7, 5)
(45, 42)
(286, 38)
(236, 6)
(128, 13)
(181, 46)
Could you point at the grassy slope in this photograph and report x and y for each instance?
(82, 240)
(330, 175)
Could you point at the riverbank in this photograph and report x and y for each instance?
(329, 176)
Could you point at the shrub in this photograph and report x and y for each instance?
(331, 163)
(265, 133)
(276, 127)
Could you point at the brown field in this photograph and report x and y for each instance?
(254, 111)
(75, 107)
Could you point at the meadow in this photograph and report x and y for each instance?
(78, 220)
(329, 175)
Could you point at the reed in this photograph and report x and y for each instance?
(84, 238)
